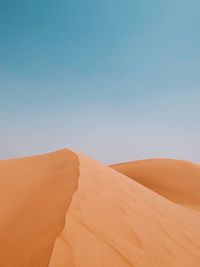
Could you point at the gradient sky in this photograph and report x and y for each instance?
(116, 80)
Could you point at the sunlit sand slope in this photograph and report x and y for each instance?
(115, 221)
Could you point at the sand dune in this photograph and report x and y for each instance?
(112, 220)
(177, 180)
(35, 193)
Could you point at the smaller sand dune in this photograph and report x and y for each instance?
(35, 193)
(177, 180)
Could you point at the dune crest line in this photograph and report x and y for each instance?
(64, 209)
(116, 221)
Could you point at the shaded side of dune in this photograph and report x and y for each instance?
(115, 221)
(35, 194)
(177, 180)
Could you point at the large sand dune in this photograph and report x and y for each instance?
(112, 220)
(176, 180)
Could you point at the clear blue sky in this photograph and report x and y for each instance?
(116, 80)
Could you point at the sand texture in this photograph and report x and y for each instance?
(65, 210)
(115, 221)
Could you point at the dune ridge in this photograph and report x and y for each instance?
(176, 180)
(63, 209)
(115, 221)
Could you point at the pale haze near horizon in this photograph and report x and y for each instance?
(114, 80)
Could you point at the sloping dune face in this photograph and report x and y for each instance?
(35, 194)
(115, 221)
(177, 180)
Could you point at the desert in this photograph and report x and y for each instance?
(65, 209)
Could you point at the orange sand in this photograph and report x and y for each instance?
(35, 193)
(112, 221)
(177, 180)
